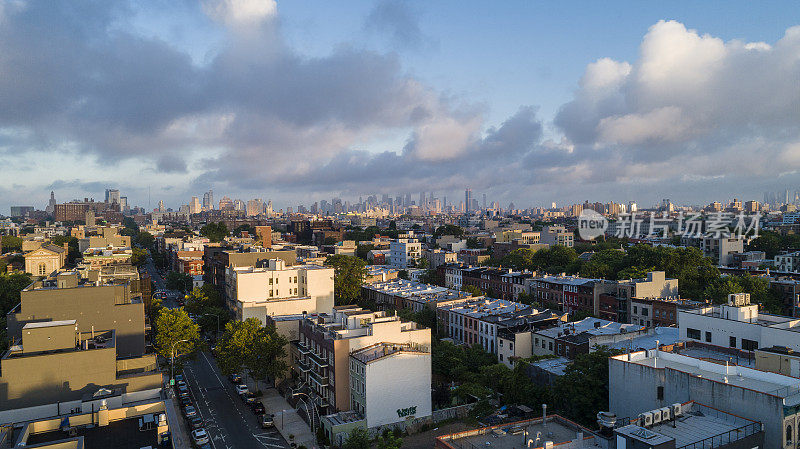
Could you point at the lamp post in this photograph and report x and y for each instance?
(172, 359)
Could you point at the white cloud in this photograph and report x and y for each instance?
(236, 13)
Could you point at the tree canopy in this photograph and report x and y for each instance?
(216, 232)
(449, 229)
(349, 274)
(11, 244)
(246, 345)
(173, 325)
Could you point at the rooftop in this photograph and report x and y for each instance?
(380, 350)
(695, 424)
(739, 376)
(416, 290)
(123, 434)
(49, 324)
(509, 436)
(591, 325)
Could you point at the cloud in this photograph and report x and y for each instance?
(238, 13)
(691, 104)
(397, 22)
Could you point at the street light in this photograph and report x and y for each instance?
(172, 359)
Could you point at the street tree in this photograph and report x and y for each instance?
(173, 325)
(357, 439)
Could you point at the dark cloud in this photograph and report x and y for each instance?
(395, 20)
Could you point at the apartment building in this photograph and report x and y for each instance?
(390, 383)
(188, 262)
(788, 262)
(569, 339)
(739, 324)
(502, 283)
(659, 311)
(438, 257)
(404, 252)
(569, 293)
(67, 296)
(788, 290)
(273, 288)
(216, 261)
(654, 285)
(321, 354)
(404, 294)
(653, 379)
(476, 321)
(380, 273)
(60, 368)
(557, 235)
(722, 249)
(515, 335)
(452, 276)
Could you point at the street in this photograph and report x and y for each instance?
(228, 420)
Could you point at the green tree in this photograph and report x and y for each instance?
(357, 439)
(216, 232)
(583, 389)
(247, 346)
(179, 281)
(145, 239)
(349, 274)
(173, 325)
(388, 441)
(449, 229)
(11, 244)
(10, 287)
(244, 228)
(139, 257)
(471, 289)
(266, 358)
(363, 249)
(73, 253)
(769, 242)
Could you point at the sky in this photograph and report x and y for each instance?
(528, 102)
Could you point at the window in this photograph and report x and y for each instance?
(510, 346)
(789, 434)
(749, 345)
(660, 392)
(645, 312)
(694, 334)
(42, 269)
(501, 343)
(732, 342)
(501, 357)
(634, 309)
(708, 337)
(270, 293)
(270, 281)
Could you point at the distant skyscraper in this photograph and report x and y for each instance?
(123, 204)
(51, 206)
(208, 200)
(484, 201)
(468, 199)
(422, 201)
(112, 196)
(194, 206)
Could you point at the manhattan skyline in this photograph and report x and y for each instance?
(529, 104)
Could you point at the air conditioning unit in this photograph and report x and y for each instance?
(666, 414)
(676, 409)
(656, 416)
(646, 419)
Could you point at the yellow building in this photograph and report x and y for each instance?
(45, 260)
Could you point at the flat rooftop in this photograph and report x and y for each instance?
(123, 434)
(509, 436)
(739, 376)
(696, 423)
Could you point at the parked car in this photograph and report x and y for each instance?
(200, 436)
(196, 422)
(268, 420)
(241, 389)
(190, 411)
(181, 384)
(186, 401)
(258, 408)
(235, 378)
(250, 397)
(183, 388)
(179, 378)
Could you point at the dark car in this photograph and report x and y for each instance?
(258, 408)
(249, 397)
(179, 378)
(186, 402)
(196, 422)
(235, 378)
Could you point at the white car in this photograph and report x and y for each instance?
(200, 436)
(241, 389)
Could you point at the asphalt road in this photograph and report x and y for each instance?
(228, 420)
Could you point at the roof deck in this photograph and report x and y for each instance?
(510, 436)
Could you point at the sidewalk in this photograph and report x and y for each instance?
(177, 425)
(287, 420)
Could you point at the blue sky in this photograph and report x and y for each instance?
(299, 101)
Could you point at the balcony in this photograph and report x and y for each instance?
(318, 360)
(304, 368)
(318, 379)
(301, 348)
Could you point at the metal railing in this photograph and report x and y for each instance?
(726, 437)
